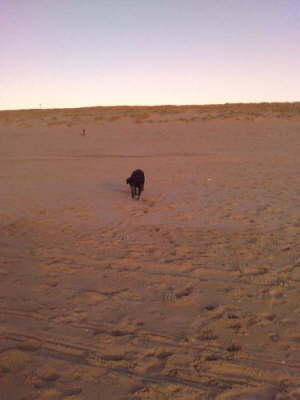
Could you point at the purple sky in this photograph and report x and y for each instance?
(69, 53)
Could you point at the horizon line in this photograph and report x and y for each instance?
(152, 105)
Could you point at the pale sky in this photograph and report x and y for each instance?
(73, 53)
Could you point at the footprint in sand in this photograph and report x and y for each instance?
(140, 209)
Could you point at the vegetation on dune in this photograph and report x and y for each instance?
(152, 114)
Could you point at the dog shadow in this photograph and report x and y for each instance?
(110, 187)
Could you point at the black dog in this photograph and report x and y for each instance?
(136, 182)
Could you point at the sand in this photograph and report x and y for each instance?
(190, 293)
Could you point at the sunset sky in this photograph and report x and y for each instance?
(73, 53)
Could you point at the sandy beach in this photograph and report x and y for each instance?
(190, 293)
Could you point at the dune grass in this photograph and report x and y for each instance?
(152, 114)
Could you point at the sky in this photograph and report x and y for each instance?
(75, 53)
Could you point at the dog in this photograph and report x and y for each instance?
(136, 182)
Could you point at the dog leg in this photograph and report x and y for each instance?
(132, 187)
